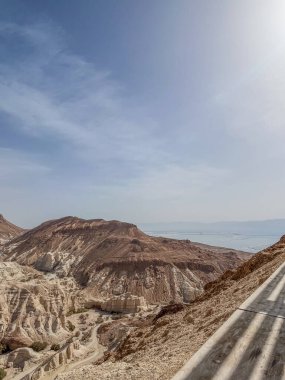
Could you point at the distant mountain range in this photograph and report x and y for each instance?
(263, 227)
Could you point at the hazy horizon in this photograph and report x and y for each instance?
(144, 111)
(273, 223)
(248, 236)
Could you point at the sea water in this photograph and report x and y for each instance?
(243, 242)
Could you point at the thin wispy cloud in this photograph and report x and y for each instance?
(61, 95)
(140, 117)
(58, 95)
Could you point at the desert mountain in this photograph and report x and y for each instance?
(62, 279)
(112, 258)
(8, 230)
(158, 346)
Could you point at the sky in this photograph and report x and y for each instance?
(142, 111)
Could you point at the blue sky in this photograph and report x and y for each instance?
(143, 111)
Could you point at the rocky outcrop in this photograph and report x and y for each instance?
(62, 357)
(8, 230)
(10, 272)
(33, 308)
(114, 258)
(156, 281)
(20, 356)
(124, 304)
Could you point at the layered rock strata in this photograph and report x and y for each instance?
(33, 308)
(114, 258)
(124, 304)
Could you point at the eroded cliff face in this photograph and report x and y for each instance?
(8, 230)
(114, 258)
(33, 308)
(157, 282)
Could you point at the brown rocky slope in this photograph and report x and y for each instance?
(156, 348)
(111, 258)
(8, 230)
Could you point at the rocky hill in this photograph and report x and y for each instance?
(159, 345)
(63, 281)
(112, 258)
(8, 230)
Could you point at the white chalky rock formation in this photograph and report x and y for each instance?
(33, 308)
(124, 304)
